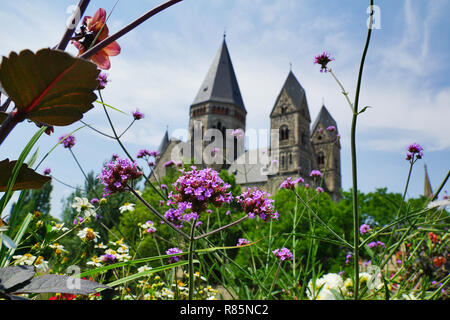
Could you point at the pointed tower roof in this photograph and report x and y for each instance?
(220, 84)
(296, 92)
(428, 191)
(324, 118)
(164, 142)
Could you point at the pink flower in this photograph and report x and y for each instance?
(323, 60)
(95, 28)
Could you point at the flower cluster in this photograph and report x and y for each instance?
(195, 190)
(415, 151)
(364, 228)
(143, 153)
(116, 175)
(148, 227)
(255, 202)
(375, 244)
(174, 259)
(323, 59)
(102, 80)
(331, 128)
(242, 242)
(290, 184)
(283, 254)
(138, 115)
(69, 141)
(315, 173)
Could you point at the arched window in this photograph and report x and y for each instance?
(321, 159)
(290, 158)
(284, 133)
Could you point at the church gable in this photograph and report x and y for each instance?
(283, 105)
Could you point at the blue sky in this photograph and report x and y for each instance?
(164, 61)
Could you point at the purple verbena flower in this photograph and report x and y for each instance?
(319, 190)
(108, 258)
(194, 191)
(174, 259)
(364, 228)
(95, 201)
(117, 174)
(290, 184)
(315, 173)
(331, 128)
(414, 150)
(256, 202)
(242, 242)
(68, 142)
(169, 163)
(143, 153)
(283, 254)
(138, 115)
(47, 171)
(323, 59)
(103, 80)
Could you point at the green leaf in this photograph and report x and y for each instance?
(49, 86)
(364, 109)
(26, 179)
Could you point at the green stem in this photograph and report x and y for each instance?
(354, 166)
(191, 260)
(274, 279)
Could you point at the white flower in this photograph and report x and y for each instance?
(59, 248)
(26, 259)
(144, 268)
(101, 246)
(322, 290)
(59, 227)
(82, 205)
(88, 234)
(95, 261)
(127, 207)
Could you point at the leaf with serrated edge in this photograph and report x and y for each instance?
(49, 86)
(15, 275)
(53, 283)
(27, 178)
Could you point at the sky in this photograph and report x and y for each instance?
(164, 61)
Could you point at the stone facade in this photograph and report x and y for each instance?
(300, 148)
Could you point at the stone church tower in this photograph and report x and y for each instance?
(218, 104)
(290, 115)
(299, 148)
(327, 150)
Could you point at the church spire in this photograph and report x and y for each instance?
(220, 84)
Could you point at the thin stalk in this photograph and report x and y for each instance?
(221, 228)
(191, 260)
(316, 216)
(82, 5)
(274, 280)
(354, 164)
(117, 138)
(78, 164)
(160, 216)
